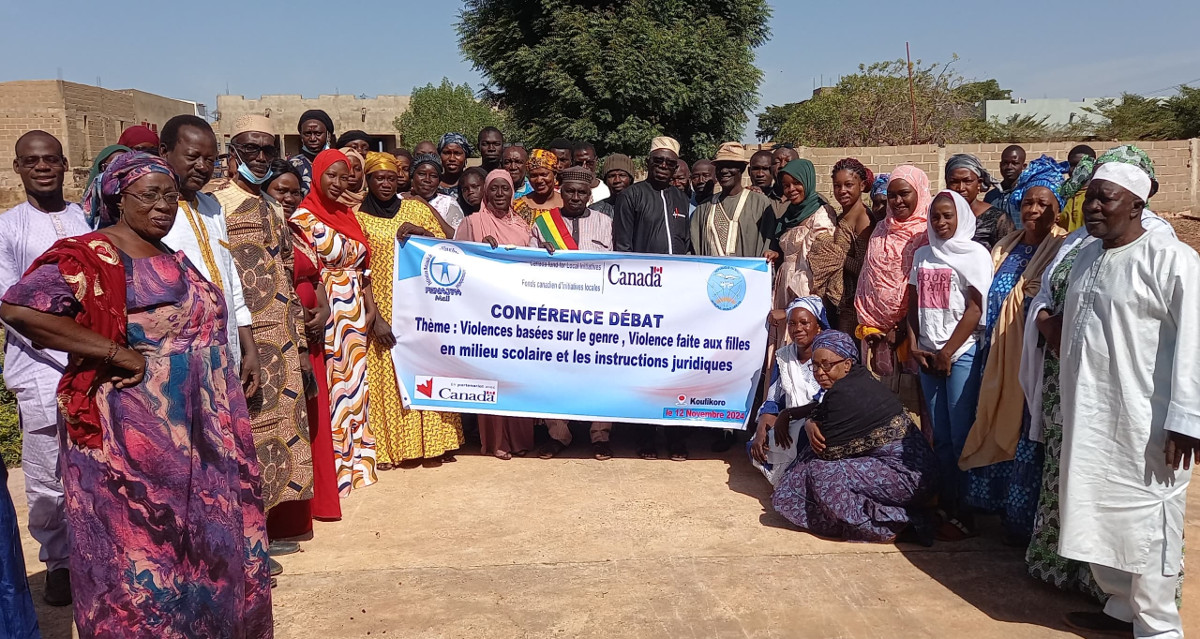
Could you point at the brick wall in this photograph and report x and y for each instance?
(26, 106)
(1175, 164)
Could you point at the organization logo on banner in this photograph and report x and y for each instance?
(726, 288)
(443, 271)
(454, 389)
(651, 277)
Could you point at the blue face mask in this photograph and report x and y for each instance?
(248, 175)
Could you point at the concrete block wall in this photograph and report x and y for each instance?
(1175, 164)
(26, 106)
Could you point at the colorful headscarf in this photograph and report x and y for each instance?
(99, 202)
(542, 159)
(1128, 154)
(836, 342)
(426, 158)
(455, 138)
(971, 163)
(880, 185)
(882, 296)
(1079, 178)
(1043, 171)
(804, 172)
(377, 161)
(812, 304)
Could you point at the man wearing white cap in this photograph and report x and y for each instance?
(652, 216)
(261, 244)
(1131, 407)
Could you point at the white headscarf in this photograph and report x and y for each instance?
(969, 259)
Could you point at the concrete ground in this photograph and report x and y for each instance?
(573, 547)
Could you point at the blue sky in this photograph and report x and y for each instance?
(1038, 48)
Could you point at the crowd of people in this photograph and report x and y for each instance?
(203, 367)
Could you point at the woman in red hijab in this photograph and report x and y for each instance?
(140, 138)
(343, 254)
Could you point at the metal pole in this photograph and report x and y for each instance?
(912, 96)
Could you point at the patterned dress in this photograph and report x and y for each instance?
(400, 434)
(261, 244)
(865, 497)
(795, 277)
(343, 269)
(1011, 487)
(168, 535)
(17, 618)
(1042, 555)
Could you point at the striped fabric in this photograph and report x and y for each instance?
(553, 229)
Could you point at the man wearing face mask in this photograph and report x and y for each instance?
(316, 132)
(261, 245)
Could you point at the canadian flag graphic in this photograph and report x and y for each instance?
(425, 386)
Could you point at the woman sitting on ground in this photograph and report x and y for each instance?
(866, 468)
(793, 388)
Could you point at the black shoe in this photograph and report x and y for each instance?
(275, 566)
(725, 440)
(58, 587)
(280, 548)
(1099, 623)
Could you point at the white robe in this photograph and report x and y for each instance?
(184, 239)
(1131, 335)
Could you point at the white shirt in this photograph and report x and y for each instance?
(941, 302)
(1130, 373)
(200, 234)
(600, 193)
(26, 233)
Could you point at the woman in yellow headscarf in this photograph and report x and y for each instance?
(401, 435)
(543, 177)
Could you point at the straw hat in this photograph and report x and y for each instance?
(731, 152)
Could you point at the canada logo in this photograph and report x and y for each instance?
(425, 386)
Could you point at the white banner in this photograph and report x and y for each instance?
(654, 339)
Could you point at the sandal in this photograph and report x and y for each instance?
(952, 529)
(602, 451)
(503, 454)
(550, 449)
(679, 451)
(384, 466)
(648, 452)
(448, 458)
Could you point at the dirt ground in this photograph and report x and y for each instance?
(573, 547)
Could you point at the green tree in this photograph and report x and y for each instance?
(448, 108)
(1186, 108)
(1134, 117)
(619, 73)
(872, 107)
(1031, 128)
(772, 119)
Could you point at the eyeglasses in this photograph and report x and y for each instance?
(31, 161)
(152, 199)
(828, 366)
(251, 151)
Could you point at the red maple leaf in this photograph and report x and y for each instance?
(426, 389)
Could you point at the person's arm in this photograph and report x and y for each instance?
(967, 324)
(913, 325)
(624, 222)
(767, 415)
(63, 333)
(381, 330)
(1183, 411)
(251, 370)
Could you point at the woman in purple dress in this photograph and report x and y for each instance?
(866, 471)
(163, 494)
